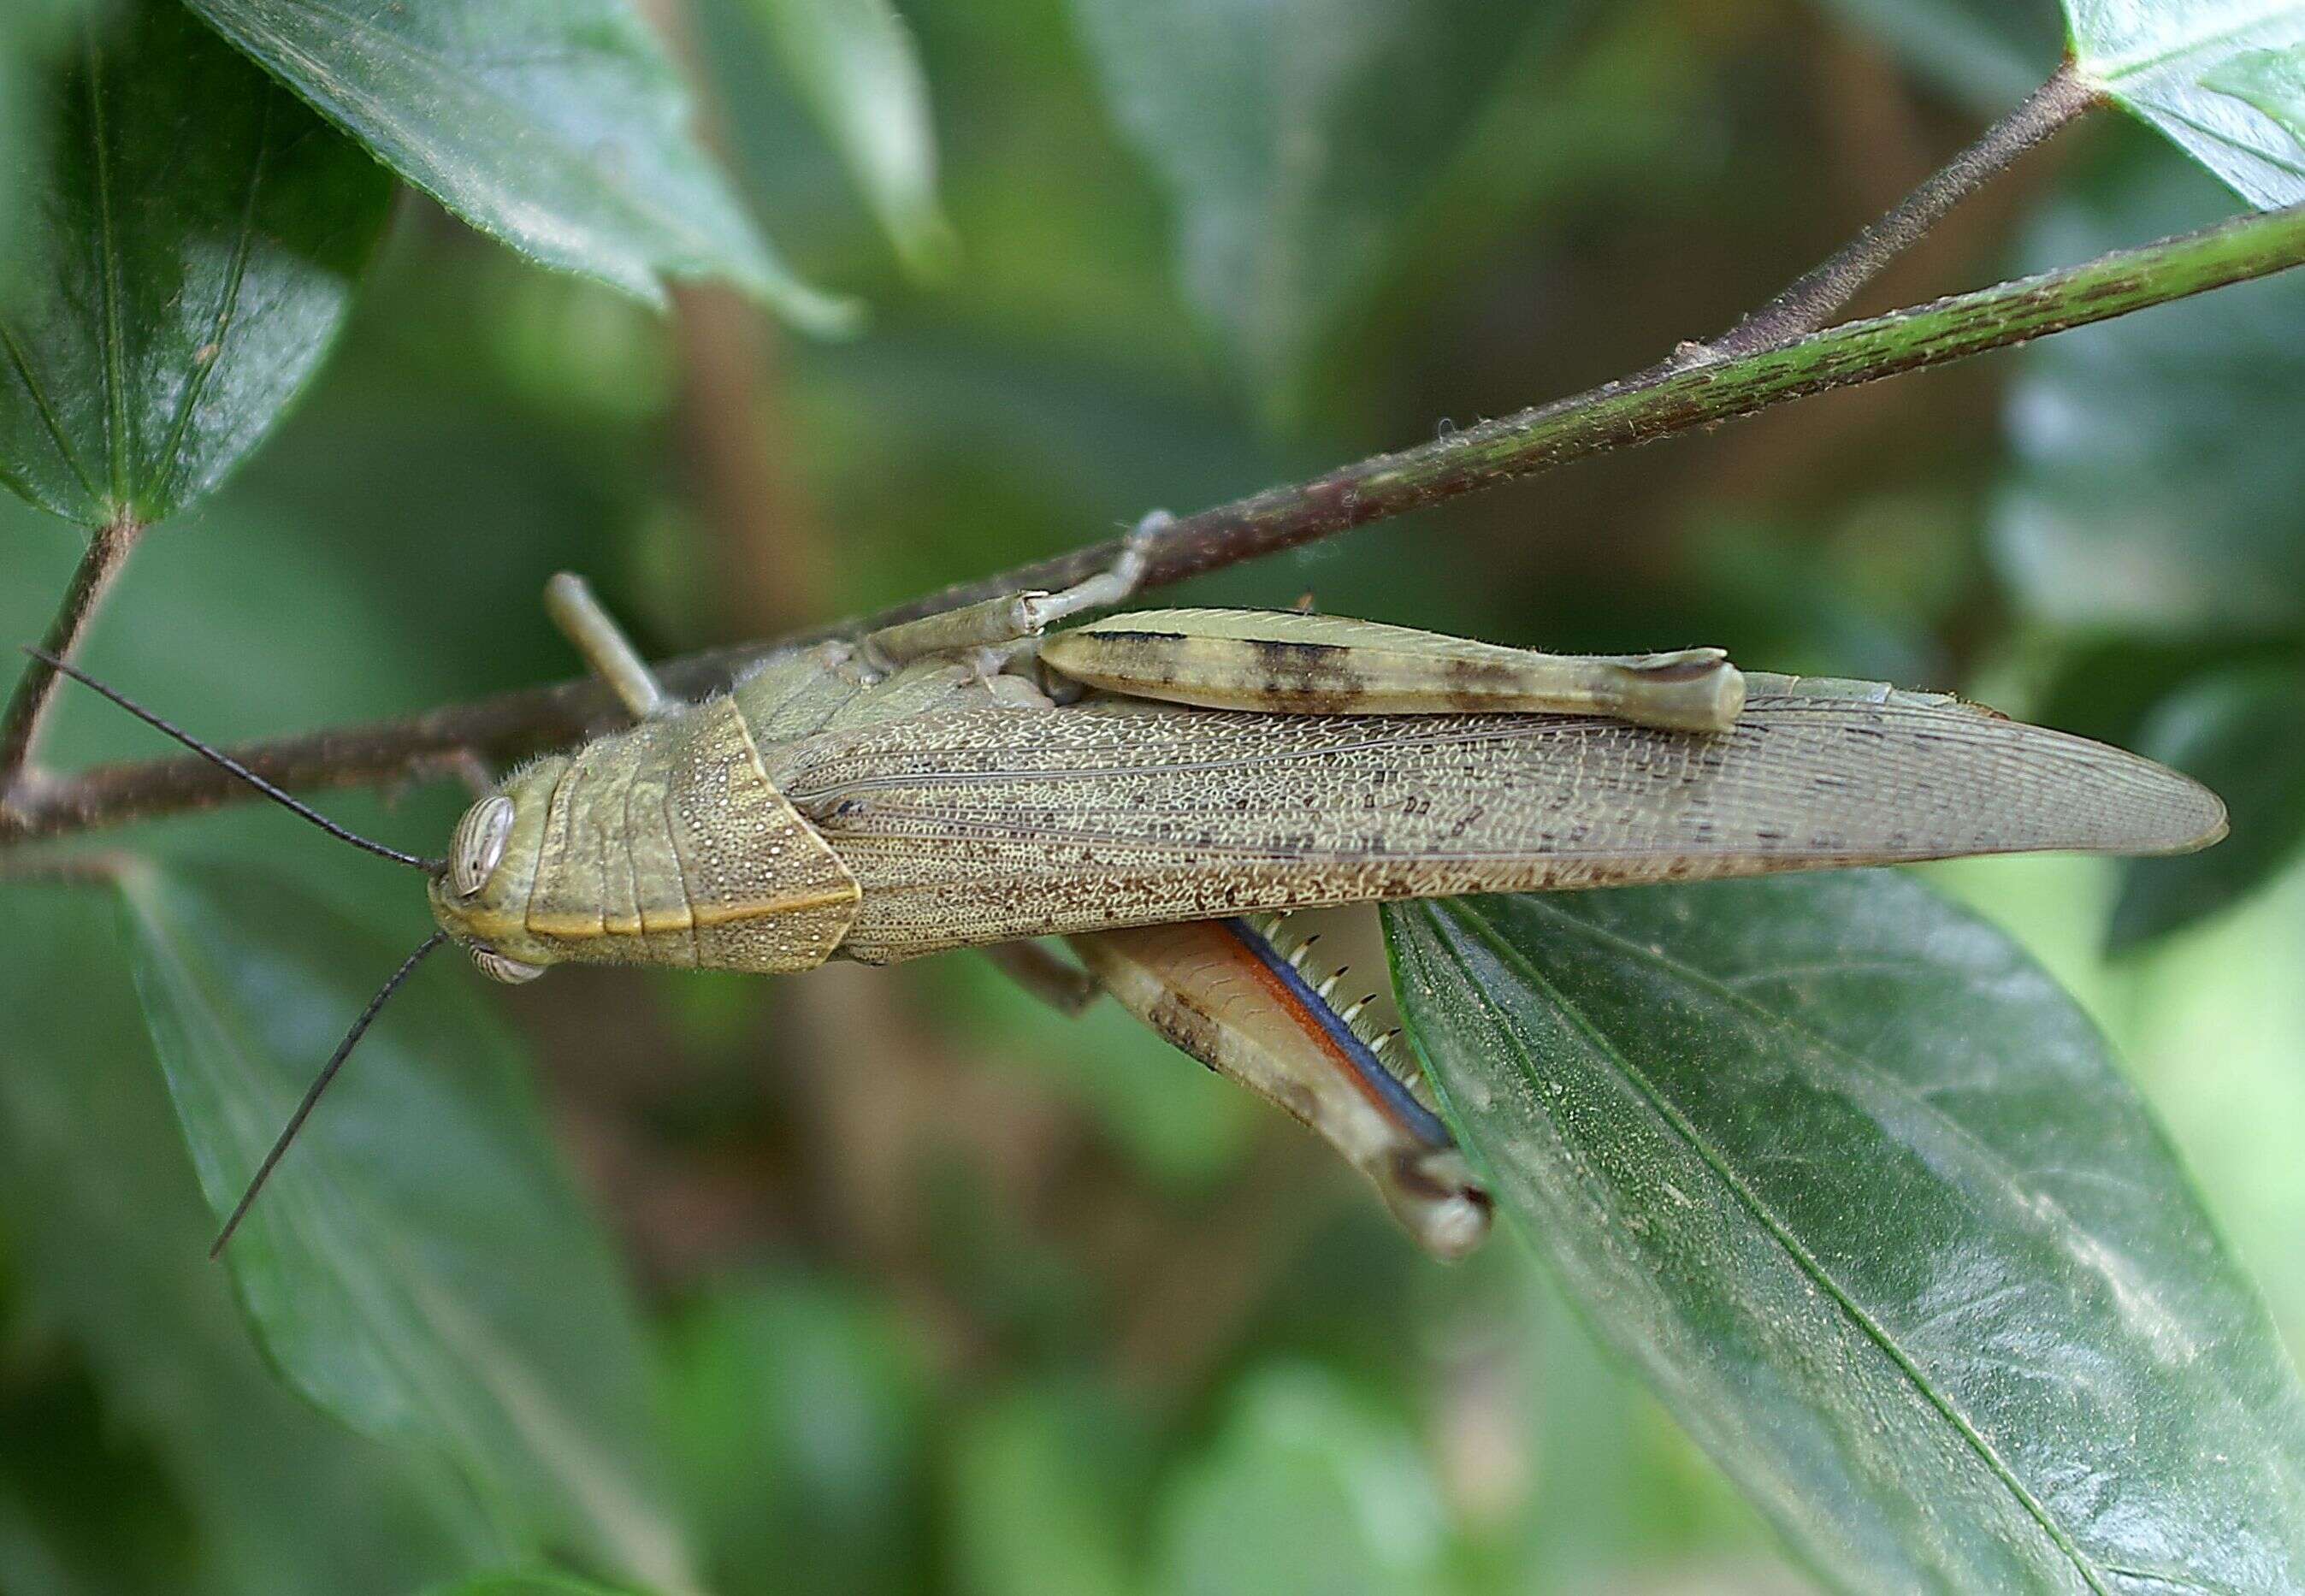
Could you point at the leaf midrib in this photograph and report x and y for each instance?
(116, 408)
(2006, 1171)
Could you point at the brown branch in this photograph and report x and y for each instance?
(1812, 299)
(1661, 403)
(26, 717)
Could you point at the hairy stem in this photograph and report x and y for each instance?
(21, 723)
(1662, 403)
(1806, 303)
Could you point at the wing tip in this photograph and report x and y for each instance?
(2167, 812)
(2198, 821)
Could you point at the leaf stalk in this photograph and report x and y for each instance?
(27, 714)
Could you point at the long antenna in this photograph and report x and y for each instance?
(216, 756)
(320, 1085)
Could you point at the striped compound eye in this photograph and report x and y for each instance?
(479, 844)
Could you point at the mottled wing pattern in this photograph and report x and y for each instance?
(989, 825)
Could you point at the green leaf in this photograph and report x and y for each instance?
(2242, 731)
(2271, 80)
(1044, 1493)
(557, 126)
(1307, 1488)
(192, 250)
(2219, 77)
(1622, 1499)
(2154, 471)
(521, 1583)
(32, 32)
(105, 1225)
(1989, 54)
(1296, 138)
(855, 65)
(1858, 1189)
(420, 1265)
(799, 1417)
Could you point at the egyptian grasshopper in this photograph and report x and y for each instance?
(1158, 787)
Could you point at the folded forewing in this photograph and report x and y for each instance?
(989, 825)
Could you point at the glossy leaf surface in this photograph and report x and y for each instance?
(182, 268)
(557, 126)
(2220, 78)
(32, 34)
(1858, 1189)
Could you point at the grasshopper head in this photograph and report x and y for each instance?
(480, 898)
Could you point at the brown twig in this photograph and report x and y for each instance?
(1881, 162)
(26, 717)
(1660, 403)
(1812, 298)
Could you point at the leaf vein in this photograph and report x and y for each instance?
(47, 412)
(171, 461)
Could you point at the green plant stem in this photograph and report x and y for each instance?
(20, 723)
(1664, 401)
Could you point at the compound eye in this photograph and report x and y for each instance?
(510, 971)
(479, 844)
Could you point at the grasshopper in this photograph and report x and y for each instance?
(1158, 788)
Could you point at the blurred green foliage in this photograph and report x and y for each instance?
(937, 1291)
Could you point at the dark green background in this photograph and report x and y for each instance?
(934, 1290)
